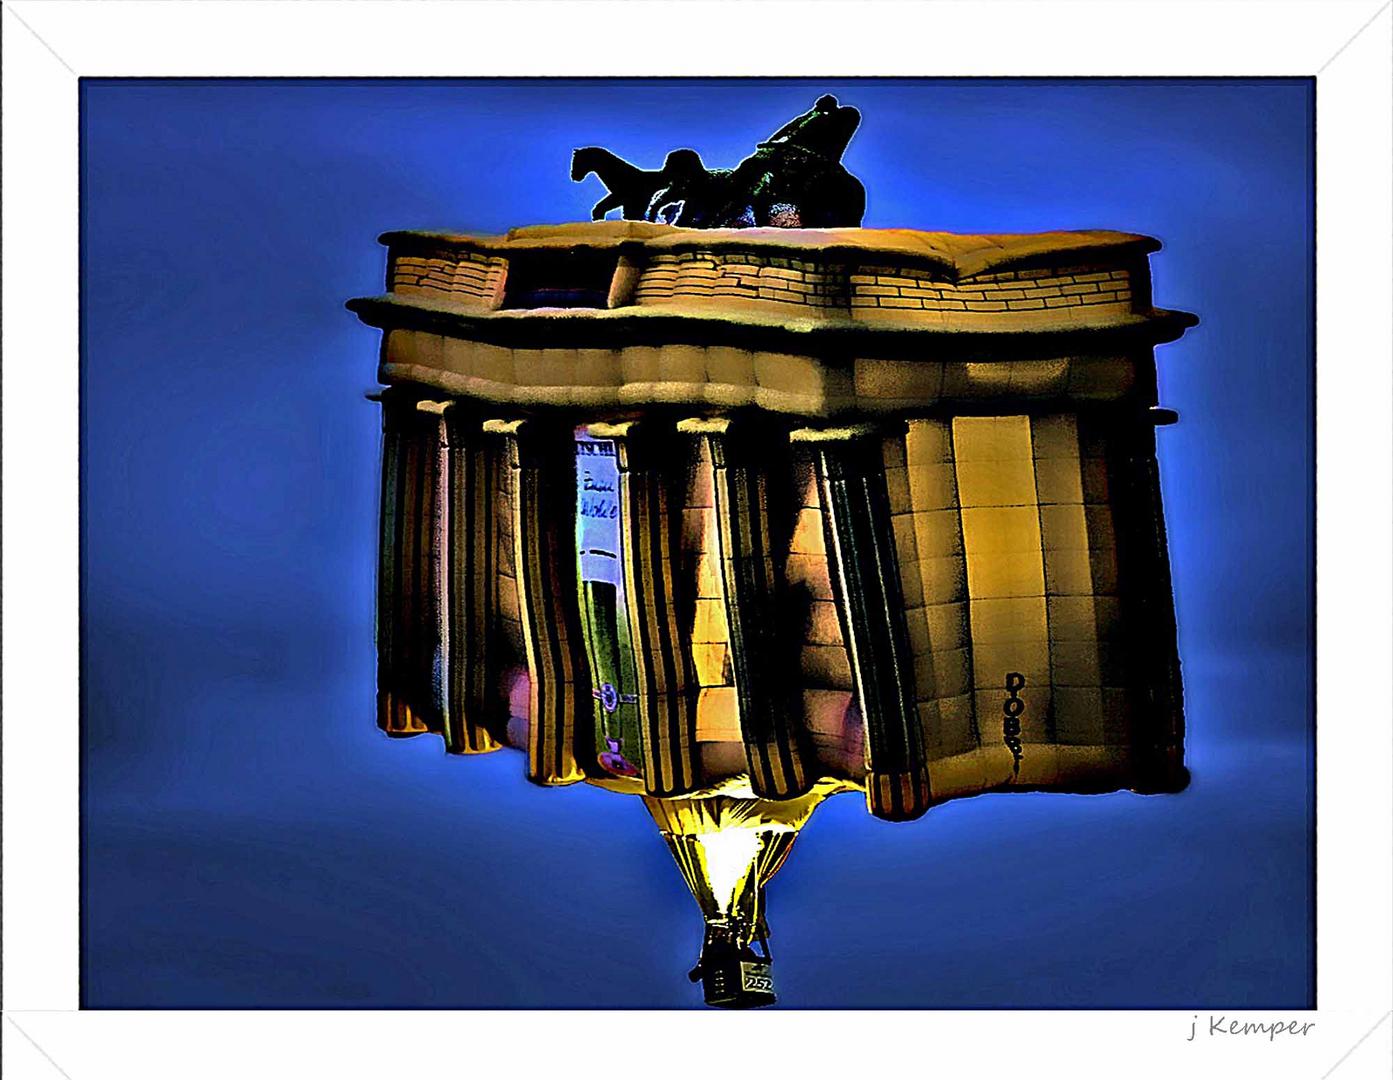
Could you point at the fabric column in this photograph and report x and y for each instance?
(658, 606)
(1144, 587)
(921, 479)
(389, 556)
(471, 717)
(860, 541)
(430, 670)
(769, 699)
(541, 457)
(412, 605)
(1076, 535)
(1006, 586)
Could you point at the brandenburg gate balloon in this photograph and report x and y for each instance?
(733, 505)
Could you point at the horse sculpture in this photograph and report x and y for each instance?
(629, 187)
(794, 179)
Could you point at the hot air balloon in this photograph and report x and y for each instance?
(733, 520)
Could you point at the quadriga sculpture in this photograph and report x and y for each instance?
(794, 179)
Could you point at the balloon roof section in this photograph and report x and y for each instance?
(954, 255)
(814, 322)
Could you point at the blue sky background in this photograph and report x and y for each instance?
(249, 837)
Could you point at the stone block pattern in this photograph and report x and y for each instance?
(906, 288)
(1007, 551)
(466, 276)
(925, 512)
(744, 275)
(819, 287)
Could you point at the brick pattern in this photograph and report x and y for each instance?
(742, 276)
(1012, 290)
(811, 287)
(822, 286)
(464, 275)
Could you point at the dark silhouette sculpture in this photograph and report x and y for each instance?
(630, 188)
(794, 179)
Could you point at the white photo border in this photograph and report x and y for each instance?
(48, 44)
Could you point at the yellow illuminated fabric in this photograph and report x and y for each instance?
(727, 848)
(1001, 523)
(1006, 539)
(691, 817)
